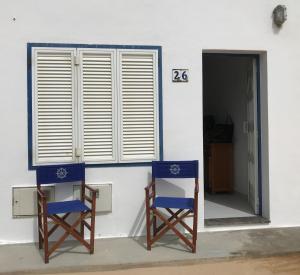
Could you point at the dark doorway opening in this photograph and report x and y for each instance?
(231, 137)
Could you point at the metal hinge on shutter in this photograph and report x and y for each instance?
(76, 60)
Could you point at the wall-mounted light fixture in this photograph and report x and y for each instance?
(279, 15)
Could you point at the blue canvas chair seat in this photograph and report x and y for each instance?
(184, 207)
(58, 212)
(66, 206)
(173, 202)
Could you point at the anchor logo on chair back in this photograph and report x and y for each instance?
(61, 173)
(174, 169)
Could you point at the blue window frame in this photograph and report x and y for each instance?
(31, 46)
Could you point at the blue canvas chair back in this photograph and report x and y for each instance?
(175, 169)
(60, 173)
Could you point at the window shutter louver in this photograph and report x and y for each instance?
(97, 103)
(53, 94)
(138, 99)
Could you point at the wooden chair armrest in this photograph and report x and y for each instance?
(92, 199)
(150, 192)
(90, 188)
(41, 193)
(196, 188)
(87, 198)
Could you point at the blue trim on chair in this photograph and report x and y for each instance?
(107, 46)
(175, 169)
(173, 202)
(60, 173)
(66, 206)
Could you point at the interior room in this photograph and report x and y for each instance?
(230, 136)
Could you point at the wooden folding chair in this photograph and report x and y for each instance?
(58, 212)
(184, 207)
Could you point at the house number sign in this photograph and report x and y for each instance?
(180, 75)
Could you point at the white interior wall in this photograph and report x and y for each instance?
(225, 88)
(183, 30)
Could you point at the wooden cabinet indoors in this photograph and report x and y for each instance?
(220, 167)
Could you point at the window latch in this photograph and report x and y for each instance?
(77, 152)
(76, 60)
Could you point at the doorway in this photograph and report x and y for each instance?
(231, 136)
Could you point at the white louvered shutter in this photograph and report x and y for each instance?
(53, 105)
(97, 105)
(138, 110)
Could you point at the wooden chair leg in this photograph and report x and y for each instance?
(92, 235)
(40, 228)
(195, 223)
(40, 239)
(148, 225)
(82, 192)
(82, 226)
(46, 243)
(154, 225)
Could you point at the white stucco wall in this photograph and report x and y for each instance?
(183, 29)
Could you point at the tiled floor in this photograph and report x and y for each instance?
(233, 205)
